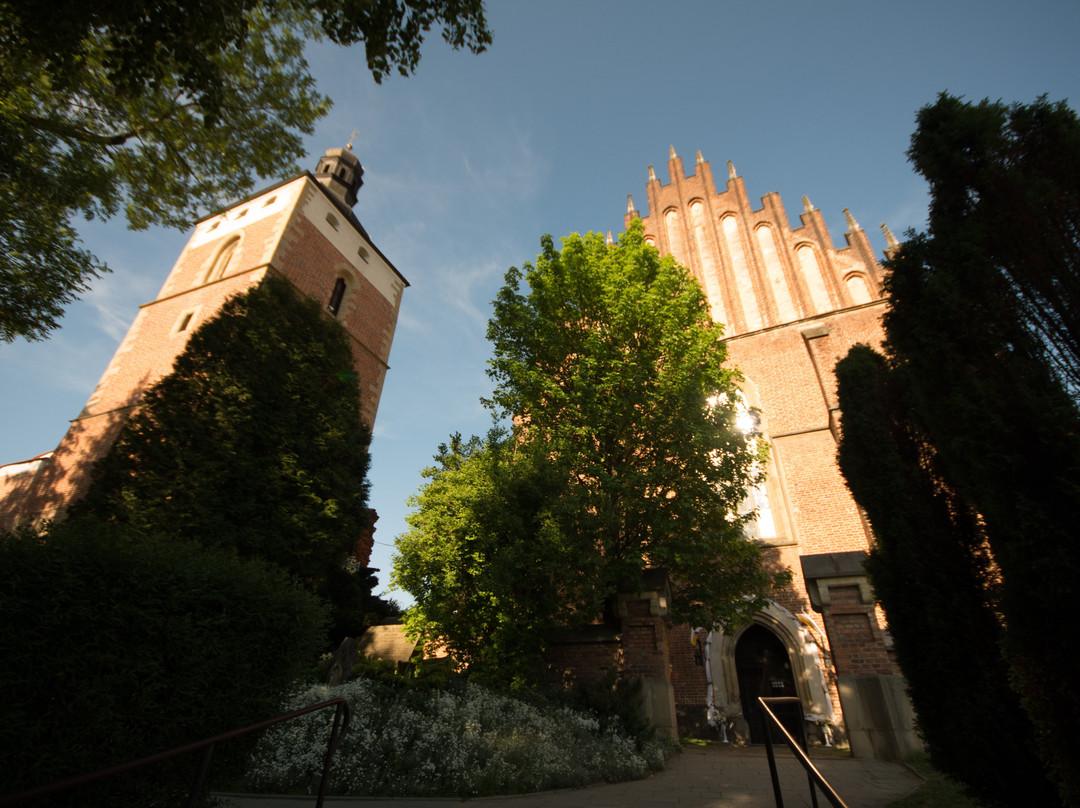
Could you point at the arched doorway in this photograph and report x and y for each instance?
(764, 669)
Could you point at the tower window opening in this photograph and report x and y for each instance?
(332, 221)
(336, 297)
(221, 262)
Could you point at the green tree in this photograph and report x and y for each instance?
(933, 573)
(253, 442)
(613, 372)
(487, 560)
(612, 363)
(989, 378)
(165, 110)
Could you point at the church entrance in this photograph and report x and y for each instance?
(764, 669)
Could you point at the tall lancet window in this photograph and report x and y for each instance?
(815, 281)
(334, 306)
(222, 260)
(744, 281)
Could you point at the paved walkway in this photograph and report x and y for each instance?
(714, 777)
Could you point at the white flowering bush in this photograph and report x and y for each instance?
(447, 743)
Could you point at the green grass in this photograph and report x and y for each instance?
(937, 792)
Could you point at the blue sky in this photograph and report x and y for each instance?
(471, 160)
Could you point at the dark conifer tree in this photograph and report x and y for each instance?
(932, 572)
(980, 339)
(253, 442)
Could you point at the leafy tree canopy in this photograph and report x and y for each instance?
(613, 371)
(487, 556)
(253, 442)
(165, 110)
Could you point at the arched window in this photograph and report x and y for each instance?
(858, 289)
(744, 283)
(334, 306)
(221, 262)
(815, 281)
(774, 270)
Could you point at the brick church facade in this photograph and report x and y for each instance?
(793, 304)
(302, 229)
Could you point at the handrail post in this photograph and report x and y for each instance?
(331, 748)
(815, 777)
(772, 766)
(806, 748)
(200, 776)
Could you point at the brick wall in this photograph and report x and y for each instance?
(269, 232)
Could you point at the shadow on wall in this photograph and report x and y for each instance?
(42, 488)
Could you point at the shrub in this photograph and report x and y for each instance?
(115, 648)
(414, 742)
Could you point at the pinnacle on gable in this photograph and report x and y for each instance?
(731, 173)
(629, 203)
(673, 154)
(700, 159)
(652, 174)
(807, 205)
(851, 223)
(892, 246)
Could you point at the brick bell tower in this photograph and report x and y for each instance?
(792, 304)
(302, 229)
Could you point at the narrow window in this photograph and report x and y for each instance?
(335, 298)
(221, 262)
(332, 221)
(185, 322)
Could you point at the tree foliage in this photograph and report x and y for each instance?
(613, 372)
(165, 110)
(488, 560)
(988, 378)
(254, 442)
(117, 646)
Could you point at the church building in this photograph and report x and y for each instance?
(302, 229)
(792, 304)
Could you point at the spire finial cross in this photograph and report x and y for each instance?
(353, 135)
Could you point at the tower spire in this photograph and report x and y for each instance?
(339, 171)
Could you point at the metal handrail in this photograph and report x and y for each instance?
(814, 777)
(337, 732)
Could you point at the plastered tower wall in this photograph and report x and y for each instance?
(792, 304)
(303, 229)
